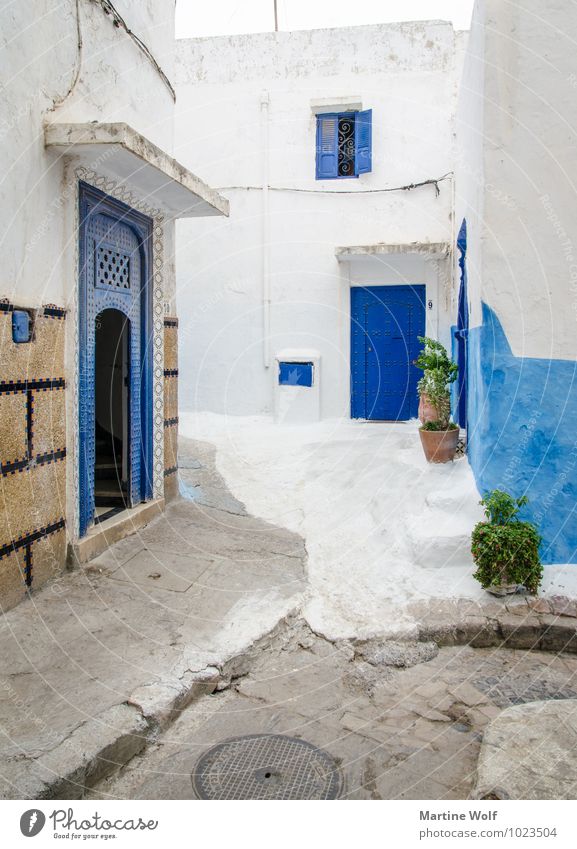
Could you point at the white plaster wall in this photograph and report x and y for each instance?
(117, 81)
(407, 74)
(469, 172)
(529, 131)
(38, 58)
(112, 81)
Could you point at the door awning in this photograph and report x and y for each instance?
(428, 250)
(119, 151)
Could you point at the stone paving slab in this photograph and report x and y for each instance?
(120, 649)
(518, 621)
(529, 751)
(154, 622)
(409, 731)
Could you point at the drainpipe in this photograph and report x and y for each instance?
(264, 113)
(453, 236)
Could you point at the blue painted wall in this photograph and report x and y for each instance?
(522, 433)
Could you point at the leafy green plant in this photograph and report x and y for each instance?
(500, 507)
(439, 425)
(505, 549)
(439, 371)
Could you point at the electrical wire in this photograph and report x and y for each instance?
(434, 181)
(118, 21)
(76, 76)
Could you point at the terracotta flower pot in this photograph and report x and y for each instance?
(439, 446)
(427, 413)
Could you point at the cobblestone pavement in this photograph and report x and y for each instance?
(403, 720)
(95, 662)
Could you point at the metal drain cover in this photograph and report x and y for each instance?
(266, 766)
(507, 691)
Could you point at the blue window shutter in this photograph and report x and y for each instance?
(363, 141)
(327, 146)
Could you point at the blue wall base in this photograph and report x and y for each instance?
(522, 433)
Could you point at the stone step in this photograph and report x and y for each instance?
(440, 539)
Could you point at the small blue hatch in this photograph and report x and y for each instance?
(295, 374)
(20, 326)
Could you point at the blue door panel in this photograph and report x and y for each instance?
(462, 331)
(385, 324)
(114, 274)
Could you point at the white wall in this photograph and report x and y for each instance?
(407, 74)
(112, 81)
(515, 184)
(524, 112)
(469, 159)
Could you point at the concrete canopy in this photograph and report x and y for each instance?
(429, 250)
(127, 155)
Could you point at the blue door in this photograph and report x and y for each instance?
(114, 280)
(385, 324)
(462, 330)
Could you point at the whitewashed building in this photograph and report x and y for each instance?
(89, 194)
(384, 182)
(335, 149)
(516, 210)
(459, 222)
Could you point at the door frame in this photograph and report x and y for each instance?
(92, 201)
(420, 289)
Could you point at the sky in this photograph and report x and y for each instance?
(227, 17)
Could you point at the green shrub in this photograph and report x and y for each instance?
(439, 371)
(506, 550)
(438, 425)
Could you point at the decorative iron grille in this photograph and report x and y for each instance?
(346, 165)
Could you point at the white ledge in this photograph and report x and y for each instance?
(430, 250)
(119, 150)
(336, 104)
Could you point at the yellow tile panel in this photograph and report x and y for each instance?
(13, 428)
(48, 558)
(12, 585)
(171, 347)
(49, 421)
(170, 446)
(170, 397)
(31, 499)
(40, 358)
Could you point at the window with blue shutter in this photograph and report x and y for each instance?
(344, 142)
(363, 141)
(327, 146)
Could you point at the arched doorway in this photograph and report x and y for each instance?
(111, 414)
(462, 327)
(115, 357)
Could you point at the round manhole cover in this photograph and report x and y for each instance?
(266, 766)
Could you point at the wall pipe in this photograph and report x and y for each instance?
(266, 292)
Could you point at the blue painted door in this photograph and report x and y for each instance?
(114, 274)
(385, 324)
(462, 330)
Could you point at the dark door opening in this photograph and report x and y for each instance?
(111, 414)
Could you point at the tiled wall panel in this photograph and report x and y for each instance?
(32, 454)
(170, 407)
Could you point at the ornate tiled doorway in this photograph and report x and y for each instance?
(114, 284)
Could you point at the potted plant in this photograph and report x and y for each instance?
(439, 435)
(505, 549)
